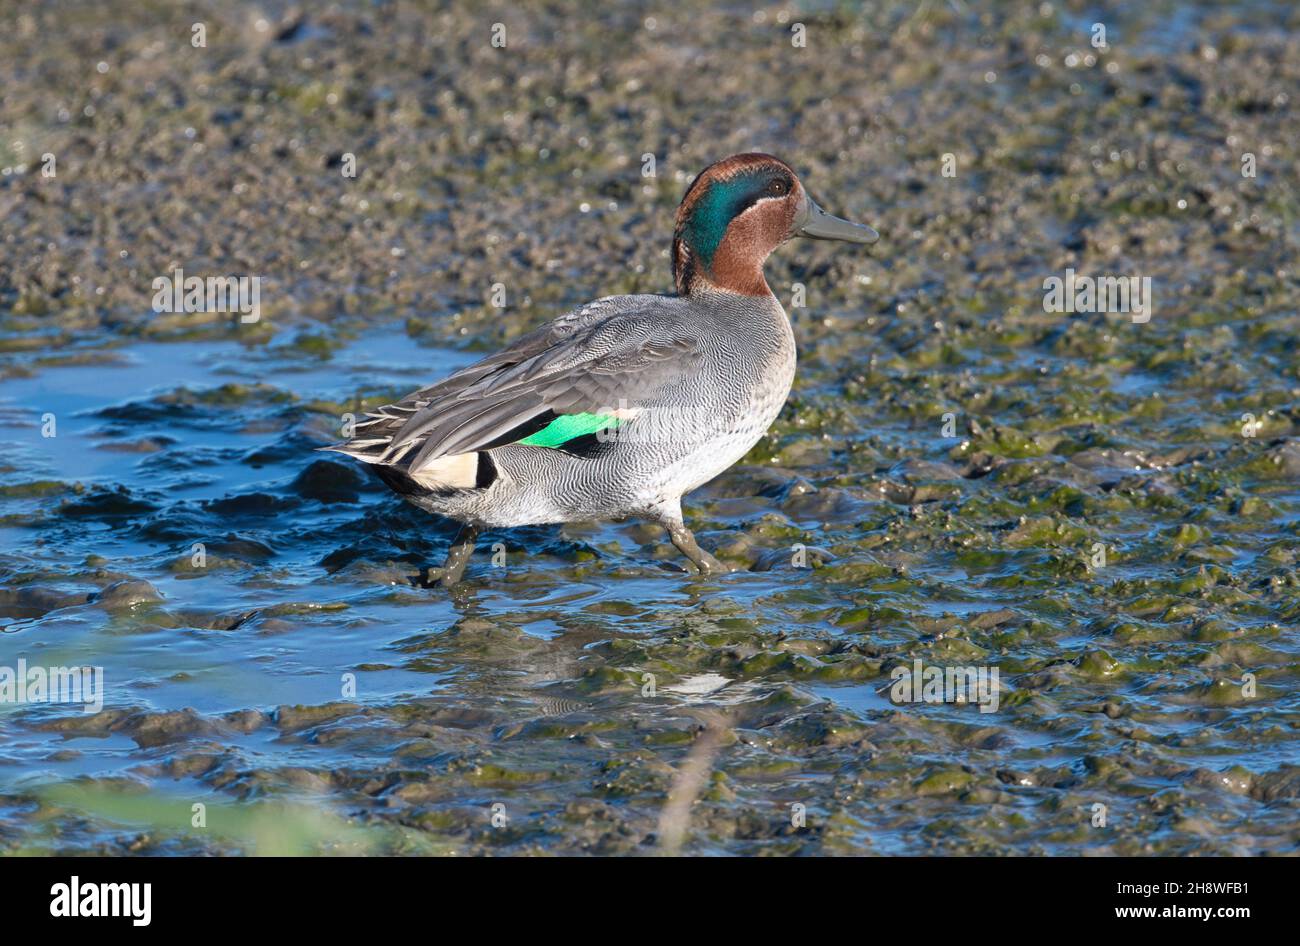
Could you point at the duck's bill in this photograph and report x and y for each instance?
(817, 224)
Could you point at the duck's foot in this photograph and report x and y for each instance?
(686, 544)
(457, 559)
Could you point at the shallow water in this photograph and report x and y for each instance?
(526, 687)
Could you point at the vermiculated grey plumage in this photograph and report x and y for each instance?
(717, 362)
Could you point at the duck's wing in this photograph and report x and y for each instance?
(585, 371)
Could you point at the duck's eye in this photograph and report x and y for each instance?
(777, 188)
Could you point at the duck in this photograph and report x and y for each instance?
(622, 406)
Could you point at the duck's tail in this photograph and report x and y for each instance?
(456, 472)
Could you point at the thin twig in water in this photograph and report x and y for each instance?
(688, 783)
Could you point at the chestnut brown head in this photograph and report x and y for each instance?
(736, 213)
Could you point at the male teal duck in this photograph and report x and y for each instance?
(624, 405)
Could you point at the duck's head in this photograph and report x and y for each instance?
(736, 213)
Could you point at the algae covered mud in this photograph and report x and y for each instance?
(1082, 506)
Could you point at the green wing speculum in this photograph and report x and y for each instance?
(569, 427)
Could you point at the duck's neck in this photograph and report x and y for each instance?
(738, 274)
(735, 267)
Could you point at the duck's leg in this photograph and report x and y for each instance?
(671, 519)
(462, 547)
(686, 544)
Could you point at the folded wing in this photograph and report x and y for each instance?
(589, 369)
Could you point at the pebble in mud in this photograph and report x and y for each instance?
(124, 594)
